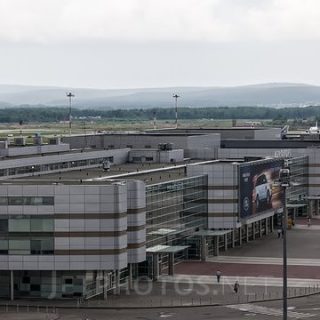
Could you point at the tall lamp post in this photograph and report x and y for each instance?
(284, 180)
(175, 96)
(70, 95)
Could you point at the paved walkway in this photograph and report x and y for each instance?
(265, 260)
(248, 281)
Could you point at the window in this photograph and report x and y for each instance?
(68, 281)
(19, 224)
(3, 225)
(149, 158)
(147, 146)
(19, 246)
(26, 201)
(35, 287)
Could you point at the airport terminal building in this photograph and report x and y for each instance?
(87, 217)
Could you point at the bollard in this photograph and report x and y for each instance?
(38, 308)
(28, 308)
(7, 308)
(192, 301)
(17, 308)
(47, 309)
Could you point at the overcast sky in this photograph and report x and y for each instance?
(157, 43)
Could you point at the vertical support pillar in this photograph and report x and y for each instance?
(247, 233)
(105, 285)
(130, 280)
(310, 209)
(233, 238)
(117, 282)
(316, 207)
(253, 231)
(240, 236)
(260, 229)
(155, 266)
(203, 251)
(226, 242)
(11, 285)
(216, 245)
(271, 224)
(171, 264)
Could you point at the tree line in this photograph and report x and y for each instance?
(56, 114)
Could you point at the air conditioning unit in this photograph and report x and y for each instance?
(20, 141)
(55, 140)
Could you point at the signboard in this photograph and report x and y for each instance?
(257, 190)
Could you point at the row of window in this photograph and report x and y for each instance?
(25, 223)
(26, 201)
(32, 246)
(53, 166)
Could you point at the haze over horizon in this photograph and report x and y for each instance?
(143, 44)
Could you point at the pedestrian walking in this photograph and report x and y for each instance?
(279, 233)
(236, 287)
(218, 274)
(309, 222)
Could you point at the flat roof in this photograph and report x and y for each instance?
(150, 173)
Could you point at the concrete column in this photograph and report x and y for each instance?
(260, 229)
(272, 223)
(130, 279)
(316, 207)
(171, 264)
(310, 209)
(216, 245)
(203, 251)
(240, 236)
(117, 282)
(105, 285)
(233, 238)
(253, 231)
(155, 266)
(247, 233)
(226, 242)
(11, 285)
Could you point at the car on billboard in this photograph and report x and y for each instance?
(262, 191)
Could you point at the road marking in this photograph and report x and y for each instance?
(265, 260)
(253, 308)
(314, 284)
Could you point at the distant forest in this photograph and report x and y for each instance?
(56, 114)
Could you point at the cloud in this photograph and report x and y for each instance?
(46, 21)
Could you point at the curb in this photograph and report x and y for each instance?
(54, 307)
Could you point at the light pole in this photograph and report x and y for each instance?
(284, 179)
(175, 96)
(70, 95)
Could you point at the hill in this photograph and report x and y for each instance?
(272, 95)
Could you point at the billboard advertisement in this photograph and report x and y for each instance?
(257, 189)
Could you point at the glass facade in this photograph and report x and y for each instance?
(175, 210)
(299, 175)
(25, 234)
(26, 201)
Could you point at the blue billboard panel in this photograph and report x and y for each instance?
(258, 191)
